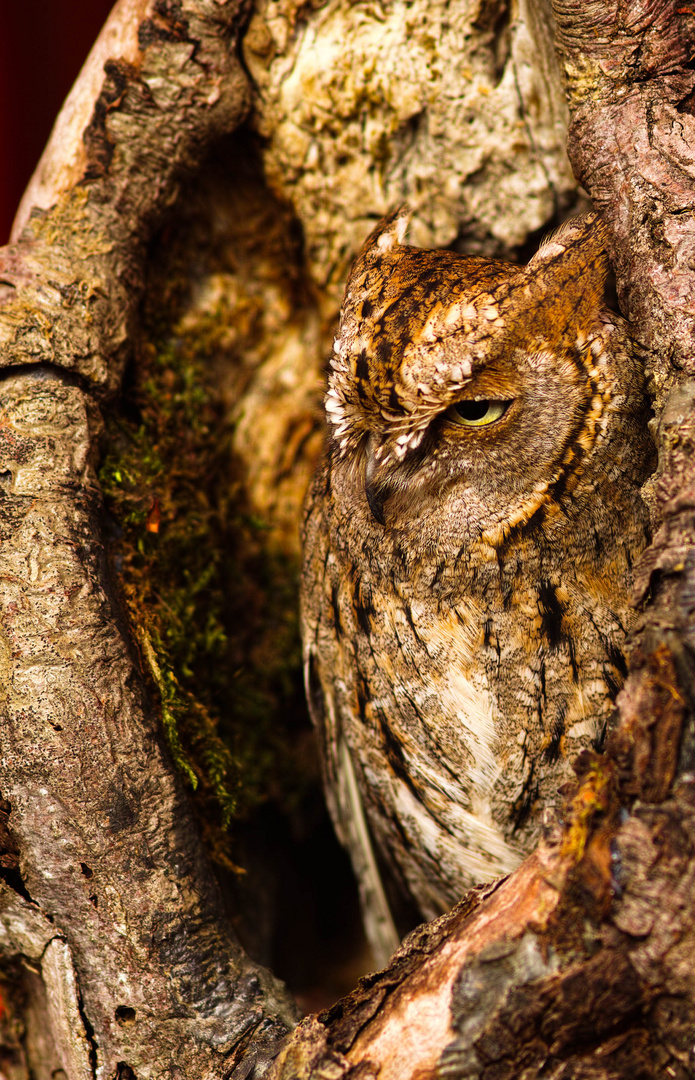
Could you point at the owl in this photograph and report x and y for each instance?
(468, 541)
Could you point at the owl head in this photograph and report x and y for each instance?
(448, 369)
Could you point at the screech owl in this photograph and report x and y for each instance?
(468, 539)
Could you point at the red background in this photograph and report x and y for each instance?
(43, 44)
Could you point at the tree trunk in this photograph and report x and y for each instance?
(202, 195)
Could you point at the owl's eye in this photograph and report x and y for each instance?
(477, 412)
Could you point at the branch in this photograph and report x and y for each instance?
(162, 82)
(109, 894)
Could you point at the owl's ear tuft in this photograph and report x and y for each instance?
(566, 281)
(390, 232)
(582, 239)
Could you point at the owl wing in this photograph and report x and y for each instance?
(347, 811)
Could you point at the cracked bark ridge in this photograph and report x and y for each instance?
(632, 144)
(116, 898)
(163, 81)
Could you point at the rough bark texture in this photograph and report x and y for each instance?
(134, 949)
(111, 923)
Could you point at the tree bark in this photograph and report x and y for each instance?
(112, 925)
(133, 968)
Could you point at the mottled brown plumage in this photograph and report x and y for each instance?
(469, 539)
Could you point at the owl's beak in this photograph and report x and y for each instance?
(373, 486)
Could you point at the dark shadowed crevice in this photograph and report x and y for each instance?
(9, 854)
(46, 373)
(89, 1034)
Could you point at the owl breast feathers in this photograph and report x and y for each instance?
(469, 539)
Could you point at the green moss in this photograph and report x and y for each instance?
(213, 613)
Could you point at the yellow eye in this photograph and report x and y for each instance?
(477, 412)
